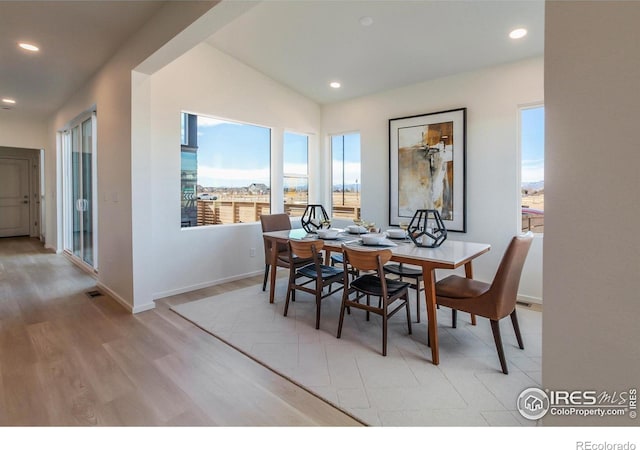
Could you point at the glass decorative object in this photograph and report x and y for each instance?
(315, 218)
(427, 229)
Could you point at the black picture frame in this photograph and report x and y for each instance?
(427, 167)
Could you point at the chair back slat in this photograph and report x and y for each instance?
(306, 249)
(366, 259)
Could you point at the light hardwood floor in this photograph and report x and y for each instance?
(67, 359)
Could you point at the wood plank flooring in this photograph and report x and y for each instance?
(69, 360)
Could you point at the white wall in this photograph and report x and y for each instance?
(23, 132)
(492, 98)
(206, 81)
(592, 250)
(110, 91)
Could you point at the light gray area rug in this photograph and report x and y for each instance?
(404, 388)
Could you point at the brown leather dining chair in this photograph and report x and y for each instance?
(494, 301)
(314, 273)
(393, 294)
(276, 222)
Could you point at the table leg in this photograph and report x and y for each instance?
(468, 272)
(430, 297)
(274, 269)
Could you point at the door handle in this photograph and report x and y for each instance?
(26, 202)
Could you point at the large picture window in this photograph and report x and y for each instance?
(345, 169)
(296, 173)
(225, 171)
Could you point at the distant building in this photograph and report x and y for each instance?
(258, 188)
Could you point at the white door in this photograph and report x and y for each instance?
(14, 197)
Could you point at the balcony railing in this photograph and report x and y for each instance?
(216, 212)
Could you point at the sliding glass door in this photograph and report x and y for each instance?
(78, 143)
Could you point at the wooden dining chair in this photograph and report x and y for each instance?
(494, 301)
(277, 222)
(315, 273)
(403, 271)
(393, 295)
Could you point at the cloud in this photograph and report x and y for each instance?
(532, 170)
(215, 176)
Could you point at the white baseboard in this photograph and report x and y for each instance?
(529, 299)
(115, 296)
(195, 287)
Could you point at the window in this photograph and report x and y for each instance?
(225, 175)
(296, 173)
(345, 156)
(532, 177)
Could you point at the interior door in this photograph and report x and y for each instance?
(14, 197)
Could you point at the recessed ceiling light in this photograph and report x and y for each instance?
(335, 84)
(29, 47)
(518, 33)
(366, 21)
(9, 100)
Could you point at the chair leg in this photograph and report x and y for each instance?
(495, 327)
(318, 303)
(266, 276)
(454, 318)
(473, 319)
(368, 304)
(516, 329)
(291, 293)
(384, 331)
(408, 312)
(342, 308)
(418, 301)
(286, 303)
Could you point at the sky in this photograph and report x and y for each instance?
(233, 154)
(532, 144)
(236, 155)
(350, 144)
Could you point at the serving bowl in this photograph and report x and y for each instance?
(396, 233)
(373, 238)
(356, 229)
(330, 233)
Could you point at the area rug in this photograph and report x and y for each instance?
(404, 388)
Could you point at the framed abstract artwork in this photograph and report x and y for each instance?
(427, 159)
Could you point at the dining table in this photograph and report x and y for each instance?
(451, 254)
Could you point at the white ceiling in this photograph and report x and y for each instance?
(303, 44)
(75, 37)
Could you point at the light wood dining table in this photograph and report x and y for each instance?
(450, 255)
